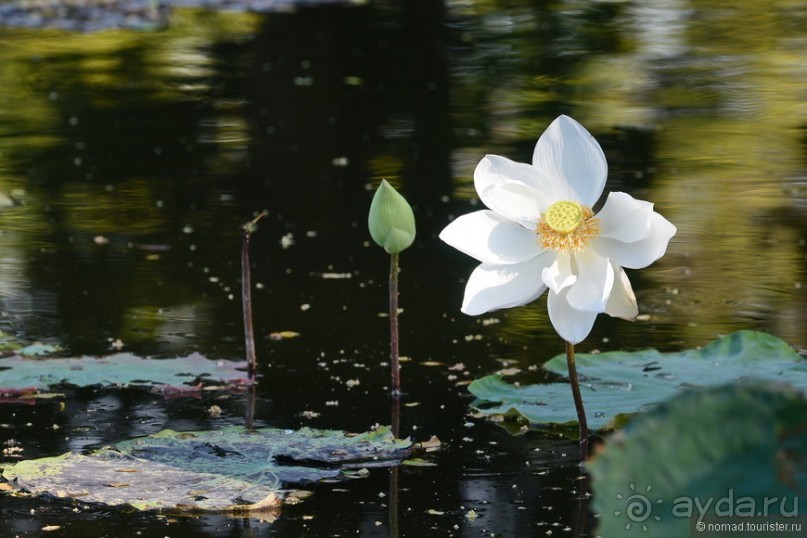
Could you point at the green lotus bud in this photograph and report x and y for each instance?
(391, 220)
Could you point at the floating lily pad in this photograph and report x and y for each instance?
(729, 452)
(111, 478)
(620, 382)
(269, 455)
(120, 369)
(225, 470)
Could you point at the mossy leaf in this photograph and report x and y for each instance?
(233, 469)
(114, 479)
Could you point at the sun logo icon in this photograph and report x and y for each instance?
(638, 507)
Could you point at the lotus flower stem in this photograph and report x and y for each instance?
(583, 499)
(578, 402)
(391, 223)
(393, 502)
(246, 297)
(393, 472)
(393, 326)
(249, 412)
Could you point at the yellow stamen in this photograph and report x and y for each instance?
(567, 226)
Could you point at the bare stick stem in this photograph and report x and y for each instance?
(246, 297)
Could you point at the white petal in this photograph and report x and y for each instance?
(622, 301)
(570, 157)
(493, 170)
(559, 275)
(491, 238)
(572, 325)
(511, 189)
(515, 201)
(595, 279)
(625, 218)
(640, 253)
(491, 287)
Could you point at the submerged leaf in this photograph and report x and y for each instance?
(621, 382)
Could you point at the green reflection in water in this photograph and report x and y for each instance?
(96, 166)
(138, 155)
(708, 129)
(717, 127)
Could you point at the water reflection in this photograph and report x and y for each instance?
(137, 156)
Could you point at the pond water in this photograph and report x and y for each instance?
(129, 160)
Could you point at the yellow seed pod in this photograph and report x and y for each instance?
(564, 217)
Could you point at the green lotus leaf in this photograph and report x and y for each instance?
(119, 369)
(232, 469)
(617, 383)
(712, 455)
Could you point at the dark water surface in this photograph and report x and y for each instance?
(132, 159)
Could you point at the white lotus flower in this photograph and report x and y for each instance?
(539, 232)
